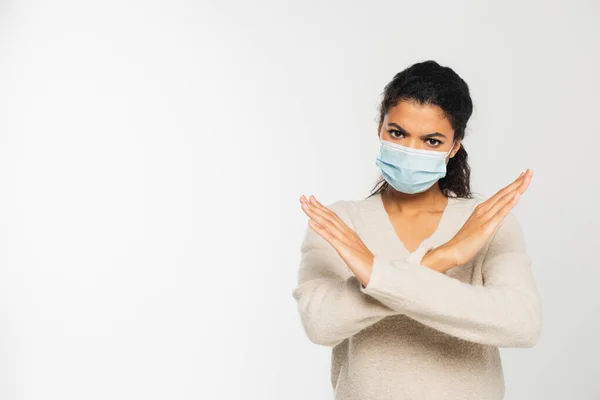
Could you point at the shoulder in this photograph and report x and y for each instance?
(339, 205)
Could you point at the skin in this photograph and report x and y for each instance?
(422, 127)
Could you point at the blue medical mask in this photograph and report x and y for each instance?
(411, 170)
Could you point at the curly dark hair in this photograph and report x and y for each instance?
(429, 83)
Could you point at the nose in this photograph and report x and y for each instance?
(412, 143)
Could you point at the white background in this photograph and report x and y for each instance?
(152, 155)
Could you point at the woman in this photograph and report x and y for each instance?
(417, 286)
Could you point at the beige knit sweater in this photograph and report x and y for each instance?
(412, 332)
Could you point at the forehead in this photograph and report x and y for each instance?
(419, 119)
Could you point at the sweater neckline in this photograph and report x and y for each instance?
(430, 241)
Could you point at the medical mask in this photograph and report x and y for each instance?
(411, 170)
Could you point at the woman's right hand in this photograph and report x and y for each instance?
(479, 228)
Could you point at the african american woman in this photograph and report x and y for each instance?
(416, 287)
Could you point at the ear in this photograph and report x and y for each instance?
(455, 149)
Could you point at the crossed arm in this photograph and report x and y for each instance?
(504, 312)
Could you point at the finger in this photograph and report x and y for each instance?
(342, 232)
(486, 205)
(526, 181)
(318, 204)
(320, 214)
(324, 220)
(506, 190)
(325, 234)
(497, 218)
(508, 199)
(318, 207)
(500, 204)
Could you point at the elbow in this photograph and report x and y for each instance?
(525, 336)
(534, 332)
(526, 331)
(319, 329)
(325, 340)
(319, 333)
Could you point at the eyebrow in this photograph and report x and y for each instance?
(401, 129)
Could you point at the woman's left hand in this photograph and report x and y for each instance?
(479, 227)
(344, 240)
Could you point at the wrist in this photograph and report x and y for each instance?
(439, 259)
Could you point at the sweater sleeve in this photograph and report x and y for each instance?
(328, 295)
(504, 312)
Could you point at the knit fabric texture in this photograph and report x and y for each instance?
(413, 332)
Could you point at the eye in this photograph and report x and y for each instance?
(391, 131)
(435, 143)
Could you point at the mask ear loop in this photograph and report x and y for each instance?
(450, 151)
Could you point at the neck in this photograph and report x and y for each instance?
(430, 200)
